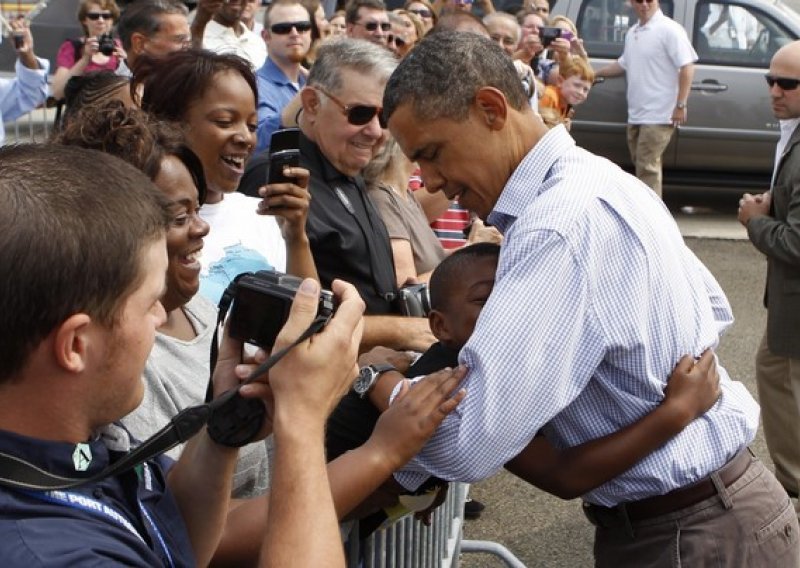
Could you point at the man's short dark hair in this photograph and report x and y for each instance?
(453, 268)
(441, 75)
(353, 6)
(144, 16)
(75, 225)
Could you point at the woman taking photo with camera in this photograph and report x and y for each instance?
(96, 51)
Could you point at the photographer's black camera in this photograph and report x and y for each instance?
(261, 304)
(107, 45)
(547, 34)
(414, 300)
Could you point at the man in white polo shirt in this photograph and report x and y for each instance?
(659, 62)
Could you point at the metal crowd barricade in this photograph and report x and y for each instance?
(410, 544)
(32, 127)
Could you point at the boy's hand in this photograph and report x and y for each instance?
(413, 417)
(693, 386)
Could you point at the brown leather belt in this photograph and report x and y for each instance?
(673, 501)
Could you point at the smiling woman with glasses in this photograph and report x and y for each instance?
(96, 51)
(424, 10)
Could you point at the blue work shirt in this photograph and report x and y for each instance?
(129, 519)
(275, 90)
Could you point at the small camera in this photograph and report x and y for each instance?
(414, 300)
(107, 45)
(547, 34)
(261, 305)
(19, 40)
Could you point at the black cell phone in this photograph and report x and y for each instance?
(548, 33)
(19, 40)
(283, 152)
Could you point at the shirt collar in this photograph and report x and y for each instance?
(529, 178)
(272, 73)
(319, 163)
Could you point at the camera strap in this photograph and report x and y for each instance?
(232, 420)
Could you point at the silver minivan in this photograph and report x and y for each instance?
(730, 136)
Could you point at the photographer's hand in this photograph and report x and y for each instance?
(20, 28)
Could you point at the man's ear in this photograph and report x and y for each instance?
(310, 99)
(493, 107)
(439, 328)
(138, 40)
(71, 342)
(265, 35)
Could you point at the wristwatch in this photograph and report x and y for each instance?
(367, 377)
(680, 106)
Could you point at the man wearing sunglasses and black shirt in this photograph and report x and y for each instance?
(341, 131)
(772, 220)
(369, 20)
(658, 60)
(287, 33)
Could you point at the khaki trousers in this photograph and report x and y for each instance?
(778, 381)
(751, 523)
(646, 144)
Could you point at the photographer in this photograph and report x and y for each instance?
(79, 318)
(96, 51)
(29, 88)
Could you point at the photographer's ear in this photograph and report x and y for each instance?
(72, 341)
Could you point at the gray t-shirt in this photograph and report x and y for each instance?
(176, 377)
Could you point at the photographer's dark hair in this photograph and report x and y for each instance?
(440, 76)
(173, 82)
(452, 269)
(75, 224)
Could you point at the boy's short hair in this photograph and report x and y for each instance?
(452, 268)
(576, 65)
(75, 224)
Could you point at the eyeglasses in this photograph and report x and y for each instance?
(397, 40)
(463, 2)
(784, 83)
(422, 12)
(285, 28)
(373, 25)
(94, 16)
(357, 115)
(643, 1)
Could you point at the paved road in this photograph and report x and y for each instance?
(544, 531)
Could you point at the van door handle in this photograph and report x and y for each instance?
(709, 86)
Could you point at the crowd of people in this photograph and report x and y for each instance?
(503, 299)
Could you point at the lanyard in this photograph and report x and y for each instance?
(100, 509)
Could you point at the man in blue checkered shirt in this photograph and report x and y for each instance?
(596, 299)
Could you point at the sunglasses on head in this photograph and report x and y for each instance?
(357, 115)
(284, 28)
(784, 83)
(397, 40)
(373, 25)
(97, 15)
(422, 12)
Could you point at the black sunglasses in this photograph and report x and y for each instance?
(422, 12)
(98, 15)
(284, 28)
(784, 83)
(397, 40)
(373, 25)
(357, 115)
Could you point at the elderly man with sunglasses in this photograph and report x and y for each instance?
(342, 129)
(287, 33)
(773, 225)
(658, 60)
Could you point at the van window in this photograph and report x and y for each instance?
(602, 25)
(732, 34)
